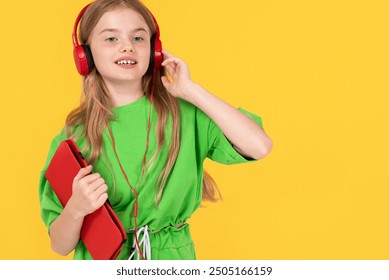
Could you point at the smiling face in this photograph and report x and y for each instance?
(120, 45)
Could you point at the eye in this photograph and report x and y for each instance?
(111, 39)
(137, 39)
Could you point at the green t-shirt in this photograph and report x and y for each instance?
(200, 138)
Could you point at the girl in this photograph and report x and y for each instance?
(135, 122)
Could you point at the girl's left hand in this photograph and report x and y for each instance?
(180, 76)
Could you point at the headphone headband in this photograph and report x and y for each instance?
(74, 35)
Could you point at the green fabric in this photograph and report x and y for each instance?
(200, 138)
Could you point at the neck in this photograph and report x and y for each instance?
(124, 93)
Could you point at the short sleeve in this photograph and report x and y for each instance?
(50, 206)
(221, 149)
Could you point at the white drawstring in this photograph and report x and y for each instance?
(146, 244)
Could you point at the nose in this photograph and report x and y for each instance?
(126, 46)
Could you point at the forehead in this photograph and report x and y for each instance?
(122, 19)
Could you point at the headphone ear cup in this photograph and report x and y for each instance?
(89, 58)
(151, 62)
(156, 56)
(83, 59)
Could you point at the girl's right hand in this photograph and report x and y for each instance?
(89, 192)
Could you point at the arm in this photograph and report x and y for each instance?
(247, 137)
(89, 194)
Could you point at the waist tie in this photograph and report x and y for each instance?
(145, 241)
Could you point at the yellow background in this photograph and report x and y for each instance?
(317, 73)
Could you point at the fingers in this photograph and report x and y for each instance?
(89, 184)
(166, 83)
(101, 195)
(171, 70)
(166, 53)
(172, 60)
(85, 177)
(97, 184)
(89, 179)
(174, 65)
(96, 194)
(89, 191)
(83, 172)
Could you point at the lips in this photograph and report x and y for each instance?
(124, 61)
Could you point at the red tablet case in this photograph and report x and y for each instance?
(102, 231)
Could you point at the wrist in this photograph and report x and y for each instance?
(73, 212)
(192, 93)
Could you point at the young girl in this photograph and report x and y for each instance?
(135, 122)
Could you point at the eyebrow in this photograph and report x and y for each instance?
(117, 30)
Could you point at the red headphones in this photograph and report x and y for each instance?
(83, 55)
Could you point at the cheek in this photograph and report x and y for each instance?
(144, 57)
(146, 53)
(100, 57)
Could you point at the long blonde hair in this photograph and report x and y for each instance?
(96, 96)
